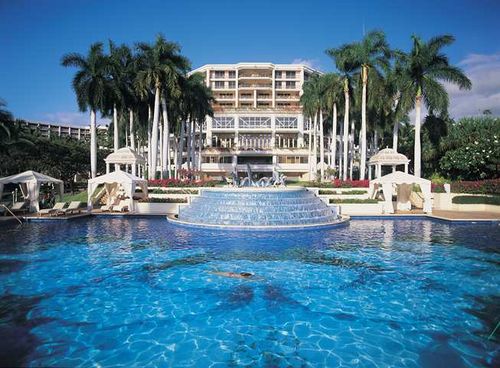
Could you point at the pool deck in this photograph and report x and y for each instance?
(465, 215)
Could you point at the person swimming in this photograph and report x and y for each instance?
(234, 275)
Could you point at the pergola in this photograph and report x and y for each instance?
(401, 183)
(30, 182)
(387, 157)
(126, 156)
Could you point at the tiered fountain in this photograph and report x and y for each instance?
(262, 208)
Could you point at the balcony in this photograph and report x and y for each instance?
(255, 86)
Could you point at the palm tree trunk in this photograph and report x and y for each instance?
(188, 145)
(180, 146)
(417, 153)
(362, 143)
(346, 128)
(149, 138)
(310, 149)
(193, 143)
(161, 123)
(322, 145)
(315, 146)
(93, 144)
(200, 147)
(395, 132)
(131, 124)
(334, 137)
(116, 144)
(154, 134)
(166, 139)
(341, 161)
(351, 145)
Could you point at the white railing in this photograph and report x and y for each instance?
(286, 122)
(255, 122)
(223, 122)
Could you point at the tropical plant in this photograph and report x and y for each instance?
(425, 68)
(160, 67)
(91, 84)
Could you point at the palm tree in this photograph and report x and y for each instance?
(425, 68)
(311, 103)
(161, 64)
(91, 86)
(332, 94)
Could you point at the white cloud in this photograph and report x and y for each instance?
(73, 118)
(311, 63)
(484, 72)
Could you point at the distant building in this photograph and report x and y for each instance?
(257, 119)
(62, 130)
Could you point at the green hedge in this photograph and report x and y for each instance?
(173, 191)
(349, 200)
(494, 200)
(350, 192)
(164, 200)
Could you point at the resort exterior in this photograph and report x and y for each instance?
(337, 211)
(258, 119)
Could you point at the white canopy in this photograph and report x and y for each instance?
(115, 179)
(30, 182)
(125, 156)
(402, 182)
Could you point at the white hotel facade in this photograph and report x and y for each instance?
(257, 120)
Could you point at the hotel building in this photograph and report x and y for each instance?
(257, 119)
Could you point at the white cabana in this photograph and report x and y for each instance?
(127, 157)
(113, 182)
(401, 183)
(30, 182)
(386, 157)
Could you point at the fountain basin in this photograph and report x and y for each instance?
(257, 208)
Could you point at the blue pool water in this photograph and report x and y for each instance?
(138, 292)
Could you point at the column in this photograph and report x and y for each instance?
(300, 126)
(406, 168)
(236, 131)
(273, 126)
(369, 172)
(134, 169)
(107, 167)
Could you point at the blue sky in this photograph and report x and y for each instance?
(35, 34)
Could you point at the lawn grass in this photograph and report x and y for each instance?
(80, 197)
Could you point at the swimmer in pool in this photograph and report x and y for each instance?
(234, 275)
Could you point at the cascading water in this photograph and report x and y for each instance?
(258, 208)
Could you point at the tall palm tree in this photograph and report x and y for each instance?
(366, 57)
(311, 104)
(161, 64)
(426, 66)
(91, 86)
(332, 94)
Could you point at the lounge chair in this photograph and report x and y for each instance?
(48, 211)
(71, 209)
(109, 207)
(19, 207)
(121, 207)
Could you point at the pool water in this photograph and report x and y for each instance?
(139, 292)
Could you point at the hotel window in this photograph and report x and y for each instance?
(285, 122)
(225, 160)
(223, 122)
(232, 84)
(255, 122)
(278, 74)
(232, 74)
(290, 85)
(290, 75)
(277, 85)
(218, 85)
(219, 74)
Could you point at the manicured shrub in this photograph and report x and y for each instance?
(494, 200)
(350, 192)
(163, 200)
(353, 200)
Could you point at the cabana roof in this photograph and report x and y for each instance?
(399, 177)
(125, 156)
(120, 177)
(29, 176)
(388, 156)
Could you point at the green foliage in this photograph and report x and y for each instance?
(333, 192)
(494, 200)
(80, 197)
(438, 179)
(472, 149)
(163, 200)
(353, 200)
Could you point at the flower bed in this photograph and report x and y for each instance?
(181, 183)
(337, 183)
(476, 187)
(173, 191)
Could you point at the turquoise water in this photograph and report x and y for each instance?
(138, 292)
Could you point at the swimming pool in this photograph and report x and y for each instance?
(139, 292)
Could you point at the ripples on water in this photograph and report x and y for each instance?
(140, 292)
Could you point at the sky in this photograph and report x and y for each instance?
(35, 34)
